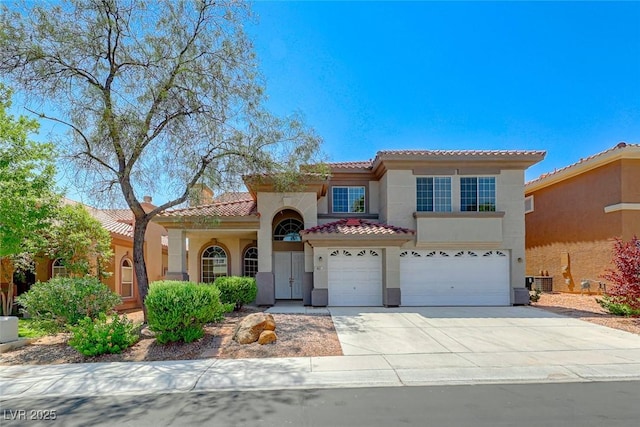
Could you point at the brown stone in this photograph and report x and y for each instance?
(250, 328)
(267, 337)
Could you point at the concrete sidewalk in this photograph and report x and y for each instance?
(439, 346)
(91, 379)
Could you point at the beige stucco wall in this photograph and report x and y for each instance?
(154, 258)
(510, 200)
(400, 204)
(472, 230)
(323, 205)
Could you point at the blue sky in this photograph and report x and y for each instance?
(558, 76)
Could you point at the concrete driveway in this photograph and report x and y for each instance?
(485, 337)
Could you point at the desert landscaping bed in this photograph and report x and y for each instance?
(585, 307)
(299, 335)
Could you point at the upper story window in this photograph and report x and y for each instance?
(288, 230)
(348, 199)
(478, 194)
(433, 194)
(528, 204)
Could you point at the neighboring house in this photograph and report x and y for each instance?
(119, 223)
(574, 213)
(406, 228)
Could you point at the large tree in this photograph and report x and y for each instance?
(27, 197)
(159, 95)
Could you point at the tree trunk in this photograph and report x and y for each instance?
(139, 265)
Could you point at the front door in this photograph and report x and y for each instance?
(289, 270)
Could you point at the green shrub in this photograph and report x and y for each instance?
(617, 306)
(29, 328)
(237, 290)
(65, 301)
(177, 311)
(93, 337)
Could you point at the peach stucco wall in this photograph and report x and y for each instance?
(570, 235)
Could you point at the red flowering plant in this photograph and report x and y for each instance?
(625, 277)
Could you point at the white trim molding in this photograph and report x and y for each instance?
(622, 207)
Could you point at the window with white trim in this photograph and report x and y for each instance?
(58, 268)
(528, 204)
(250, 267)
(478, 194)
(433, 194)
(126, 279)
(213, 263)
(348, 199)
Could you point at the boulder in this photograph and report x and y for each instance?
(250, 328)
(267, 337)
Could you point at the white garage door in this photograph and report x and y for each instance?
(355, 277)
(454, 278)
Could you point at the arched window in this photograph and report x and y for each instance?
(58, 269)
(214, 263)
(250, 262)
(126, 279)
(288, 230)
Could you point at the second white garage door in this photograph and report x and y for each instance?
(355, 277)
(449, 278)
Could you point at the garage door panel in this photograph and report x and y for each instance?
(355, 277)
(455, 278)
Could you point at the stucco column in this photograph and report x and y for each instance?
(177, 265)
(391, 277)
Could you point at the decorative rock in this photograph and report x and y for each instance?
(267, 337)
(249, 329)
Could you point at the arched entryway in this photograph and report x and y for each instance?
(288, 254)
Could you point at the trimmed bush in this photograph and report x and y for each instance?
(65, 301)
(237, 290)
(93, 337)
(177, 311)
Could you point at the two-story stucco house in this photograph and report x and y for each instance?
(411, 228)
(574, 213)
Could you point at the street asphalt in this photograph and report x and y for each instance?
(382, 348)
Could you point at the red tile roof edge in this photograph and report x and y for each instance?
(618, 146)
(355, 223)
(194, 209)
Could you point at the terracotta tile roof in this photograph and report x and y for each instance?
(231, 208)
(351, 165)
(368, 164)
(619, 146)
(355, 226)
(112, 225)
(119, 214)
(474, 153)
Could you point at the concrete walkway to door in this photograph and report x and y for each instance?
(426, 345)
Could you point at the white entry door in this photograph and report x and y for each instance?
(449, 278)
(289, 271)
(355, 277)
